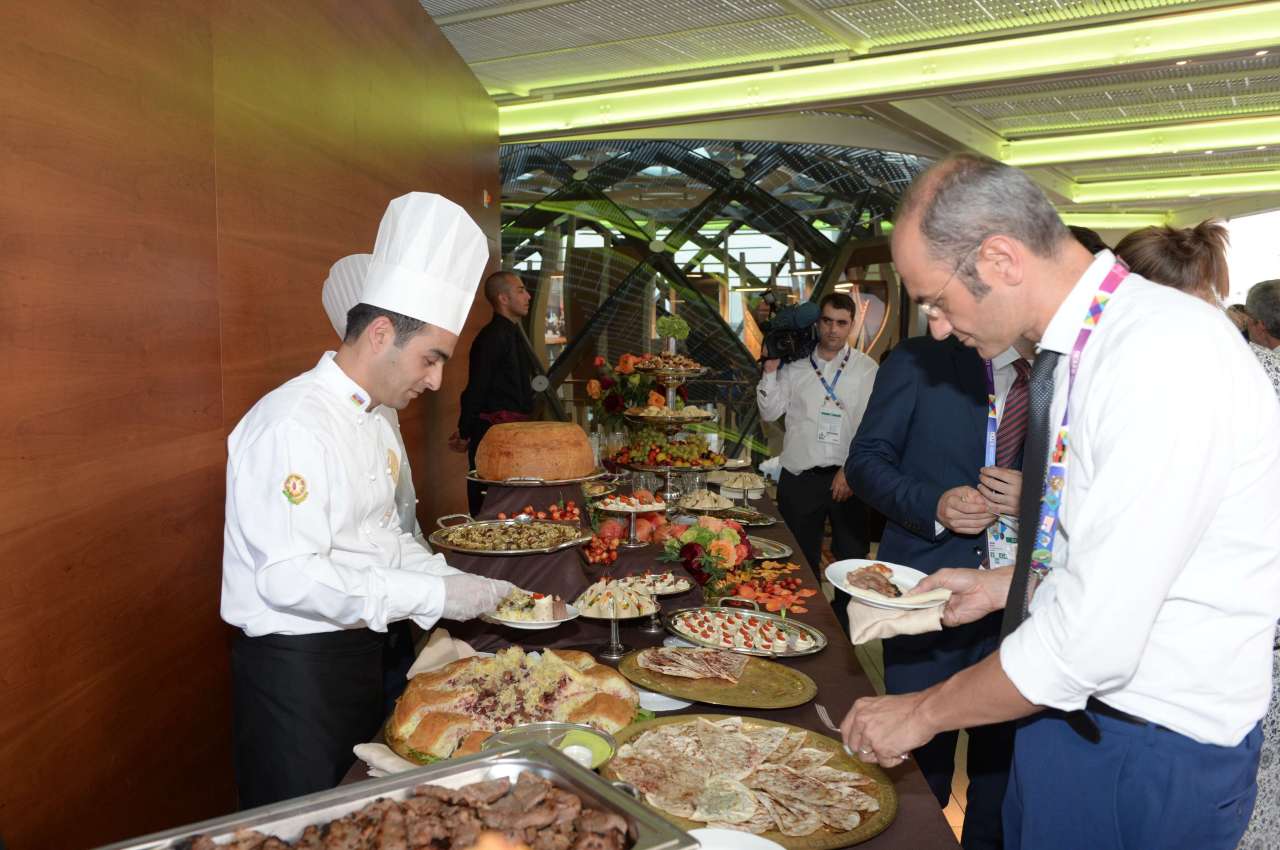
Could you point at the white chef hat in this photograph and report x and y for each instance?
(427, 261)
(342, 289)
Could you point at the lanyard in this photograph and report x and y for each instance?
(993, 424)
(1055, 480)
(831, 387)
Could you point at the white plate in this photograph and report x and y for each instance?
(674, 641)
(732, 839)
(904, 578)
(736, 462)
(660, 702)
(654, 508)
(532, 625)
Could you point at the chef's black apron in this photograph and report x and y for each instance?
(301, 703)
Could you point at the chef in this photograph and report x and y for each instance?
(316, 563)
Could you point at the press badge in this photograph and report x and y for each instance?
(1002, 542)
(830, 423)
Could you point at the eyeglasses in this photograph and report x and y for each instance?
(930, 305)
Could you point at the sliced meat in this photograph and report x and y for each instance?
(310, 839)
(246, 839)
(593, 820)
(484, 793)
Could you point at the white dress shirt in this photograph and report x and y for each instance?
(794, 389)
(313, 539)
(1165, 586)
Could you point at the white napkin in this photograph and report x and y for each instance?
(867, 623)
(381, 760)
(441, 649)
(771, 468)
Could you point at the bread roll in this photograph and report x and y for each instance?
(552, 451)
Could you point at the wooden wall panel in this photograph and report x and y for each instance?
(111, 432)
(175, 180)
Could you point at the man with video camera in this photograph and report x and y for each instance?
(822, 389)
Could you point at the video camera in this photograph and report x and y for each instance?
(792, 333)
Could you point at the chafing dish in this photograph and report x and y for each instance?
(287, 819)
(439, 538)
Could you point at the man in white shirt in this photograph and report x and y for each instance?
(823, 397)
(316, 563)
(1144, 664)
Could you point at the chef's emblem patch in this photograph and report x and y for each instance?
(295, 489)
(393, 466)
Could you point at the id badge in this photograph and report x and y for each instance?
(830, 424)
(1002, 542)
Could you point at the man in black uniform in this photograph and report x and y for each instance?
(500, 370)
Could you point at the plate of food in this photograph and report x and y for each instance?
(769, 549)
(596, 489)
(670, 365)
(735, 484)
(883, 585)
(749, 517)
(658, 584)
(531, 611)
(663, 415)
(748, 632)
(703, 501)
(786, 784)
(453, 710)
(718, 677)
(522, 536)
(610, 599)
(737, 463)
(640, 503)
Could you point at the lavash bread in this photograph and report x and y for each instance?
(552, 451)
(451, 711)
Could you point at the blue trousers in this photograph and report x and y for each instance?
(1138, 788)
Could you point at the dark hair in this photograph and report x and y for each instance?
(966, 198)
(362, 315)
(1263, 304)
(1192, 259)
(498, 283)
(1088, 238)
(839, 300)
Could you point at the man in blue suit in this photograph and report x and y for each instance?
(918, 458)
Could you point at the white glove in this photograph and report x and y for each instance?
(467, 596)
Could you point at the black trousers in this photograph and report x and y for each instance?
(301, 702)
(806, 504)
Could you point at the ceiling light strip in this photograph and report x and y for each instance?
(1180, 188)
(1247, 27)
(1151, 141)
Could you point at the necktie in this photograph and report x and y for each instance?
(1034, 465)
(1013, 421)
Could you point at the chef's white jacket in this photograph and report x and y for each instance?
(313, 540)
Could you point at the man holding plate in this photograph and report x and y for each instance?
(1140, 613)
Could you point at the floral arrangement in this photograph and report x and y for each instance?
(708, 549)
(620, 386)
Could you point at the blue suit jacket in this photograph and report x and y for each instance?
(922, 434)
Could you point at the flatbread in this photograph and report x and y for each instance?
(761, 821)
(725, 800)
(731, 754)
(835, 776)
(768, 739)
(793, 818)
(805, 759)
(783, 783)
(792, 742)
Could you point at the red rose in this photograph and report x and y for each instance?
(607, 384)
(598, 361)
(613, 403)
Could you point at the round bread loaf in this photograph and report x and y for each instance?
(552, 451)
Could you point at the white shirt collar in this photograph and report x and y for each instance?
(353, 396)
(1004, 358)
(1064, 327)
(835, 358)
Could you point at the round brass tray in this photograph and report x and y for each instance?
(438, 538)
(784, 623)
(763, 684)
(824, 838)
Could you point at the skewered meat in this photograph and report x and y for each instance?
(875, 578)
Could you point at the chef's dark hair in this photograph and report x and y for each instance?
(360, 316)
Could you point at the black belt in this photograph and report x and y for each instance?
(1086, 728)
(822, 469)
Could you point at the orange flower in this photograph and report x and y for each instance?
(593, 388)
(626, 364)
(657, 399)
(724, 551)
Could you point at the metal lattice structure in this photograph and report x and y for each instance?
(634, 230)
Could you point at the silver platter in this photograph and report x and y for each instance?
(438, 541)
(676, 422)
(785, 623)
(536, 482)
(770, 550)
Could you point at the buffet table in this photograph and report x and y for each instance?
(919, 825)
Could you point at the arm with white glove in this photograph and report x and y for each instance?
(467, 596)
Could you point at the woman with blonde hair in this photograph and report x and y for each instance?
(1194, 260)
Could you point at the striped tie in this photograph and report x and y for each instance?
(1013, 421)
